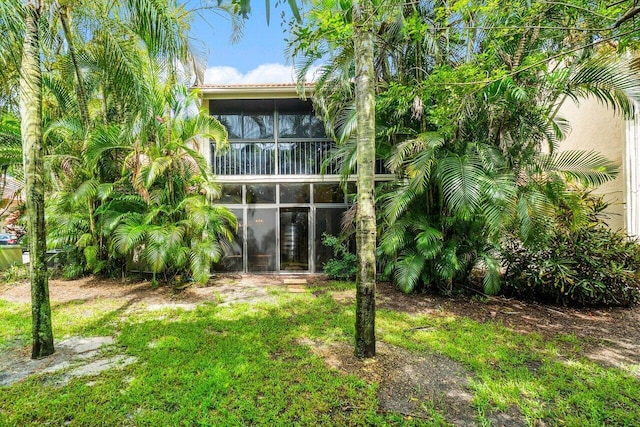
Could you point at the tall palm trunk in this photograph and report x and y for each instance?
(365, 216)
(31, 116)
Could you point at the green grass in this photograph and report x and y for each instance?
(14, 325)
(244, 365)
(546, 380)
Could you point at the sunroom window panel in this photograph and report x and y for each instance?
(261, 239)
(327, 221)
(295, 193)
(261, 193)
(293, 125)
(316, 128)
(233, 123)
(231, 193)
(328, 193)
(258, 126)
(232, 258)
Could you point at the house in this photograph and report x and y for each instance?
(11, 190)
(272, 178)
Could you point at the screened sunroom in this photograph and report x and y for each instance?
(275, 179)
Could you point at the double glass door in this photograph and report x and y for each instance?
(277, 239)
(281, 239)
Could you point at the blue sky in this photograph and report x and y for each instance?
(258, 57)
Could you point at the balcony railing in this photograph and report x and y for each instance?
(245, 159)
(287, 158)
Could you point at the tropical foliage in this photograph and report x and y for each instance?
(580, 261)
(121, 137)
(467, 118)
(159, 208)
(343, 265)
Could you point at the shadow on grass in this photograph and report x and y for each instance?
(244, 365)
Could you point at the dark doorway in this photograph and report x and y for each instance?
(294, 239)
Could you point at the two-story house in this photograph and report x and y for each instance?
(273, 179)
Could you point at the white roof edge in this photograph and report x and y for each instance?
(251, 91)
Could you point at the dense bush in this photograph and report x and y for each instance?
(587, 265)
(344, 264)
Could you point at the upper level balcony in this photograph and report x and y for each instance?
(270, 158)
(273, 137)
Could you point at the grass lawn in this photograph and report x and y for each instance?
(247, 365)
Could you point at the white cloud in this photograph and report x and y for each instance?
(222, 75)
(265, 73)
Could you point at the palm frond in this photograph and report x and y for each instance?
(409, 270)
(103, 139)
(610, 78)
(88, 190)
(154, 170)
(589, 168)
(429, 242)
(128, 235)
(460, 179)
(491, 279)
(396, 203)
(394, 237)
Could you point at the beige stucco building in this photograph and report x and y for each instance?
(277, 178)
(596, 127)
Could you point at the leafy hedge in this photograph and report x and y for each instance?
(591, 265)
(343, 265)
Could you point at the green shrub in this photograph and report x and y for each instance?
(344, 264)
(588, 264)
(14, 274)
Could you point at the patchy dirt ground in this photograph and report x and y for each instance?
(612, 335)
(406, 380)
(223, 289)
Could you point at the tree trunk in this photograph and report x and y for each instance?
(31, 127)
(365, 215)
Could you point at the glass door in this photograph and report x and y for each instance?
(261, 239)
(294, 239)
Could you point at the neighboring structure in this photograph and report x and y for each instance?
(632, 177)
(272, 178)
(11, 190)
(596, 127)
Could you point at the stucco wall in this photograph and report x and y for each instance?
(595, 127)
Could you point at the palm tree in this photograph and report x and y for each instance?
(350, 60)
(161, 28)
(366, 215)
(31, 131)
(170, 218)
(464, 107)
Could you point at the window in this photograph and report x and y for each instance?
(296, 146)
(261, 193)
(328, 193)
(294, 193)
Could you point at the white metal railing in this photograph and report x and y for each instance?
(283, 158)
